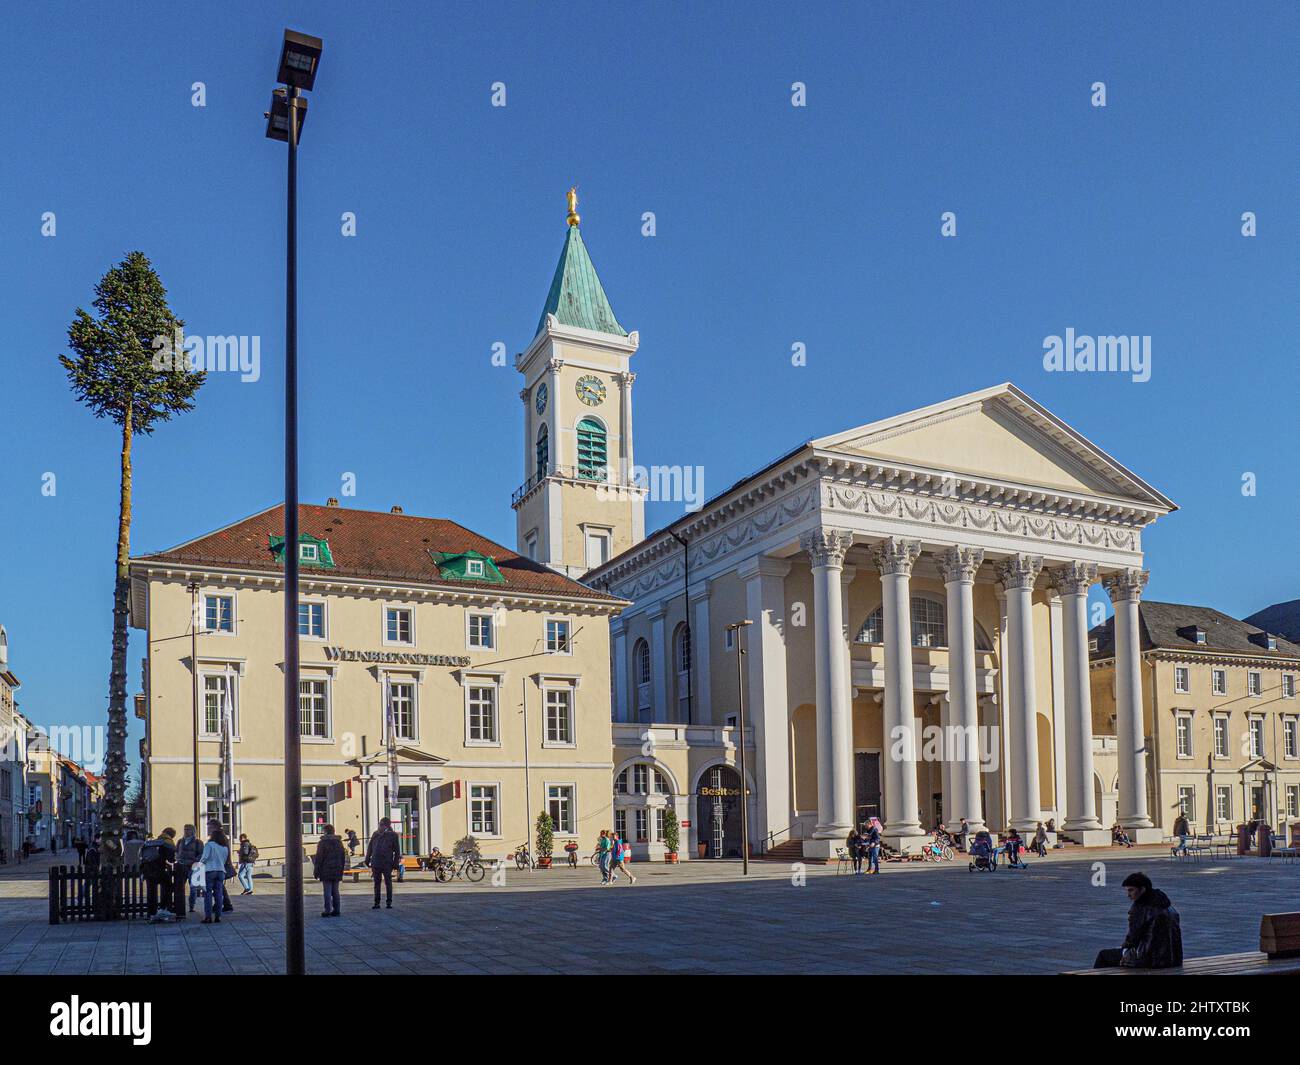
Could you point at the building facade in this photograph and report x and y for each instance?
(1220, 713)
(446, 681)
(12, 749)
(917, 589)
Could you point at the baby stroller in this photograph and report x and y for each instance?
(981, 854)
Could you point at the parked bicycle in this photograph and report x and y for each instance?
(935, 850)
(467, 866)
(522, 858)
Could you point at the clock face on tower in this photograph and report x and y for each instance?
(540, 401)
(591, 390)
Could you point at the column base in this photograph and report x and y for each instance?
(1089, 837)
(822, 849)
(904, 842)
(1145, 835)
(838, 833)
(1026, 825)
(1082, 824)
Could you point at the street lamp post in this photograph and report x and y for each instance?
(738, 628)
(299, 58)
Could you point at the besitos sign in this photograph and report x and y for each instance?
(721, 793)
(406, 658)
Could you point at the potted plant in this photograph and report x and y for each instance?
(672, 836)
(545, 839)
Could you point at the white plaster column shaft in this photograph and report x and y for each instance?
(895, 559)
(1072, 582)
(701, 658)
(1018, 574)
(766, 697)
(826, 549)
(1125, 591)
(659, 652)
(621, 666)
(958, 566)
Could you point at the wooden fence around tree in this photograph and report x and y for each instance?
(106, 895)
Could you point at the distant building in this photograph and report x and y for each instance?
(11, 747)
(1282, 619)
(1221, 720)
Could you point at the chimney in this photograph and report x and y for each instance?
(331, 502)
(395, 510)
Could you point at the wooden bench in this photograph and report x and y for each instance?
(1279, 953)
(410, 863)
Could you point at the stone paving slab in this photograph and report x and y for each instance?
(695, 918)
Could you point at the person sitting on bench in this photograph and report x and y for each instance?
(1155, 936)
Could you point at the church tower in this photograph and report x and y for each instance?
(578, 506)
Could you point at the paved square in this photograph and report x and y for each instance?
(694, 918)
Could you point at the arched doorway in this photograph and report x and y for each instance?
(718, 800)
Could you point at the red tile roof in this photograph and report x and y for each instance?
(374, 544)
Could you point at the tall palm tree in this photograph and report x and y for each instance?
(128, 365)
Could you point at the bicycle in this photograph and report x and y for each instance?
(935, 851)
(470, 867)
(523, 860)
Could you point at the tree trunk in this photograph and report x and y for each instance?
(115, 761)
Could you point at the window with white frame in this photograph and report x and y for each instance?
(643, 825)
(1186, 800)
(620, 823)
(401, 697)
(1293, 800)
(1288, 685)
(217, 688)
(1219, 681)
(315, 808)
(311, 620)
(213, 809)
(308, 553)
(1256, 733)
(560, 805)
(218, 613)
(483, 809)
(480, 632)
(597, 548)
(313, 706)
(1223, 802)
(1254, 683)
(1182, 679)
(559, 715)
(640, 779)
(531, 543)
(483, 714)
(398, 625)
(659, 824)
(1184, 735)
(473, 567)
(1220, 737)
(642, 662)
(1290, 747)
(557, 636)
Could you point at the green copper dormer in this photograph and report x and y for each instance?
(467, 566)
(576, 297)
(311, 551)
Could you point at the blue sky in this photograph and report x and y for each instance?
(775, 225)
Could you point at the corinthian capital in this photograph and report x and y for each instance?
(826, 547)
(1020, 571)
(960, 564)
(626, 378)
(1074, 578)
(1126, 585)
(895, 557)
(555, 365)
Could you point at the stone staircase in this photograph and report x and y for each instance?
(789, 851)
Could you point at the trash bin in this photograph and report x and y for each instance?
(1243, 839)
(1264, 839)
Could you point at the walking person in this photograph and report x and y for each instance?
(963, 837)
(156, 858)
(853, 844)
(1182, 830)
(615, 844)
(188, 851)
(621, 855)
(226, 905)
(80, 844)
(215, 858)
(247, 856)
(383, 855)
(92, 856)
(328, 864)
(1040, 841)
(603, 846)
(873, 846)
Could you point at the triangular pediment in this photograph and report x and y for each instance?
(1001, 435)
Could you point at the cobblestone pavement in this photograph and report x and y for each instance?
(694, 918)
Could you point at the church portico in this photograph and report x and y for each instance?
(919, 641)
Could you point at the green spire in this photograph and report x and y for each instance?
(576, 297)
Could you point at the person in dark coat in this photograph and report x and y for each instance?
(1155, 934)
(383, 855)
(188, 851)
(853, 846)
(353, 842)
(80, 844)
(328, 864)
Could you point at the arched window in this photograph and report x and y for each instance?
(642, 656)
(592, 455)
(640, 779)
(682, 659)
(543, 451)
(929, 628)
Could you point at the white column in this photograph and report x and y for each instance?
(1056, 661)
(621, 667)
(767, 707)
(659, 651)
(895, 559)
(1018, 574)
(1125, 591)
(826, 549)
(625, 429)
(530, 437)
(958, 566)
(1072, 582)
(701, 657)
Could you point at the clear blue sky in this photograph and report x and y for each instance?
(776, 225)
